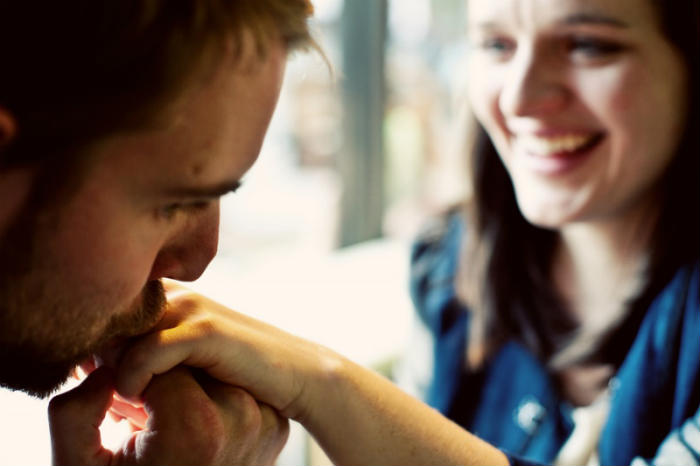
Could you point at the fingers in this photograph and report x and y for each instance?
(136, 416)
(87, 366)
(170, 343)
(202, 421)
(184, 425)
(170, 285)
(231, 347)
(250, 423)
(274, 432)
(139, 364)
(189, 422)
(75, 418)
(166, 397)
(260, 426)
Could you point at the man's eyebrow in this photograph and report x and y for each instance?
(593, 18)
(205, 191)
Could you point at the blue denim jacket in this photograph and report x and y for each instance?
(513, 403)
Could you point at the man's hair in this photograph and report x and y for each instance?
(76, 71)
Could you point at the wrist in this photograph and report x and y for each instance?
(322, 386)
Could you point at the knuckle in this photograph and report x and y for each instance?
(205, 432)
(205, 327)
(172, 381)
(59, 405)
(209, 447)
(137, 357)
(249, 417)
(283, 428)
(186, 302)
(132, 370)
(274, 424)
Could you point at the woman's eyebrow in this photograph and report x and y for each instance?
(592, 18)
(568, 20)
(214, 191)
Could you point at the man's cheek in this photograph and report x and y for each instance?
(136, 318)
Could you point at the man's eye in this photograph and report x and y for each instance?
(170, 211)
(592, 47)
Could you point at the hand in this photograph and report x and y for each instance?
(190, 421)
(357, 416)
(274, 366)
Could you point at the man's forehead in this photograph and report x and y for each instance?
(214, 137)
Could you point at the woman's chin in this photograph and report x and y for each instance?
(550, 217)
(554, 210)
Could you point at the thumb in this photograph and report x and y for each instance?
(75, 418)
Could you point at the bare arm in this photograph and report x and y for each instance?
(361, 418)
(357, 416)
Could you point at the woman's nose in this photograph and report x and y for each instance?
(533, 86)
(191, 250)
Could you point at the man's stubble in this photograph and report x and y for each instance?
(45, 329)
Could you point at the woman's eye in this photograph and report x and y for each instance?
(592, 48)
(497, 45)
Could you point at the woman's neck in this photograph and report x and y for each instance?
(598, 266)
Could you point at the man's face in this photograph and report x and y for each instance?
(78, 274)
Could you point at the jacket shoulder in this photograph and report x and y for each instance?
(434, 262)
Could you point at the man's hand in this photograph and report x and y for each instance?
(356, 415)
(275, 367)
(190, 421)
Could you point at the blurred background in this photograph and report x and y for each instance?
(362, 150)
(365, 146)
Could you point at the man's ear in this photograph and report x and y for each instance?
(8, 127)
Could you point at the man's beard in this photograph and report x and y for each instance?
(45, 331)
(39, 367)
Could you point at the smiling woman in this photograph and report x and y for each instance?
(587, 107)
(583, 221)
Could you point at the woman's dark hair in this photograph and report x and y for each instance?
(505, 271)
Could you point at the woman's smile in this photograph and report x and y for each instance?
(583, 100)
(555, 152)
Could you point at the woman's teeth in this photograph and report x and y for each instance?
(550, 146)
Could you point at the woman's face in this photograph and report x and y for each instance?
(583, 99)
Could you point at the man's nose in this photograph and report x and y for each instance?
(534, 85)
(189, 252)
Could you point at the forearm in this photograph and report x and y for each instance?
(359, 417)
